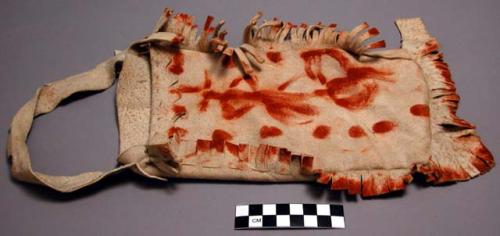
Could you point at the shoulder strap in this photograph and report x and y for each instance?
(46, 98)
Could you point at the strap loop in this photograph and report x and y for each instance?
(45, 100)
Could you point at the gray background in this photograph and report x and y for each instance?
(41, 41)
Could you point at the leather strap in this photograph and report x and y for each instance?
(46, 99)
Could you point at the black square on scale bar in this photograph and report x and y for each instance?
(309, 209)
(282, 209)
(255, 209)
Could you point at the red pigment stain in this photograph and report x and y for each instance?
(356, 131)
(179, 132)
(340, 183)
(461, 122)
(250, 80)
(184, 18)
(324, 178)
(369, 187)
(354, 91)
(445, 72)
(208, 22)
(242, 160)
(235, 103)
(321, 132)
(242, 148)
(218, 138)
(203, 146)
(379, 44)
(307, 163)
(179, 110)
(193, 89)
(274, 56)
(383, 126)
(480, 165)
(177, 40)
(235, 82)
(373, 31)
(430, 46)
(270, 152)
(261, 153)
(448, 174)
(176, 67)
(420, 110)
(284, 156)
(232, 148)
(279, 105)
(207, 83)
(352, 186)
(484, 159)
(285, 85)
(269, 131)
(391, 185)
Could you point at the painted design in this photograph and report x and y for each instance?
(354, 91)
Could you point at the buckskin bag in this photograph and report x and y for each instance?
(291, 103)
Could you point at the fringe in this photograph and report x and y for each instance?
(316, 35)
(211, 39)
(457, 151)
(227, 155)
(367, 183)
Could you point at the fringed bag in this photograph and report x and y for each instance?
(292, 103)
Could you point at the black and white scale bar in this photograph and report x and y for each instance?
(289, 215)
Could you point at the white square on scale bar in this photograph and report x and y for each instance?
(323, 209)
(255, 221)
(269, 209)
(310, 221)
(242, 210)
(283, 220)
(296, 209)
(338, 222)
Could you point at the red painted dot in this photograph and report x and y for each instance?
(274, 56)
(420, 110)
(356, 132)
(383, 126)
(321, 132)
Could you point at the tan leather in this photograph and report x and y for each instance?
(292, 103)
